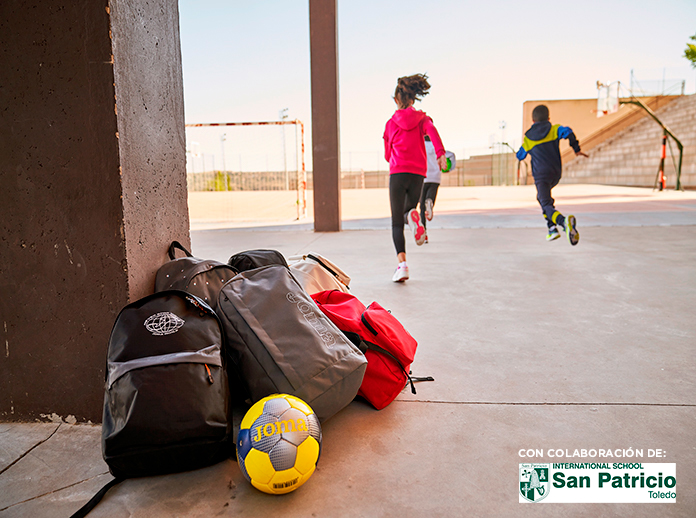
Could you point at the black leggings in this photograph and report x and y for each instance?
(404, 192)
(429, 191)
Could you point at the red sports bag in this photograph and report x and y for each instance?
(388, 347)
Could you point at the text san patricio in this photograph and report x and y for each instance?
(604, 479)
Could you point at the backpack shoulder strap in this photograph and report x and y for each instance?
(85, 509)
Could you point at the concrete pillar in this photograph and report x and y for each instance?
(326, 149)
(92, 169)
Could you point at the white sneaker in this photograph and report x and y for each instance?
(429, 209)
(401, 274)
(414, 223)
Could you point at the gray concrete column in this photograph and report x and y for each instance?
(93, 188)
(326, 148)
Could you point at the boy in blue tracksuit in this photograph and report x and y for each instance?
(541, 142)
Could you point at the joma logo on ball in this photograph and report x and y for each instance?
(271, 429)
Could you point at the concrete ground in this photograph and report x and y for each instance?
(532, 344)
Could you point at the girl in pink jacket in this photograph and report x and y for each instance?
(404, 149)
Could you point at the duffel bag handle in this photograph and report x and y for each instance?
(340, 275)
(176, 245)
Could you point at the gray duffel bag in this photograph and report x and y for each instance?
(282, 343)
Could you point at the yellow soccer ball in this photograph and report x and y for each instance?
(279, 444)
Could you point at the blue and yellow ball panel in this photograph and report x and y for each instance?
(243, 443)
(307, 456)
(258, 466)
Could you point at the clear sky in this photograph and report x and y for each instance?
(245, 61)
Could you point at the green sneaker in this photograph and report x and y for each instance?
(553, 234)
(572, 230)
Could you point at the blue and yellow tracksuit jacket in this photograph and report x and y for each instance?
(541, 142)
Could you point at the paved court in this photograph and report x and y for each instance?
(456, 207)
(533, 345)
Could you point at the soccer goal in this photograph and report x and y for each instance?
(253, 157)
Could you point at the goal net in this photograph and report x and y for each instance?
(230, 165)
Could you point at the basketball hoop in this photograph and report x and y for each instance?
(607, 98)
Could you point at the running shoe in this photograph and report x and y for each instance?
(553, 234)
(401, 274)
(416, 227)
(426, 236)
(429, 209)
(572, 230)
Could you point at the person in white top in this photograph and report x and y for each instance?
(432, 181)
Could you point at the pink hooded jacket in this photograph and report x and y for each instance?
(404, 147)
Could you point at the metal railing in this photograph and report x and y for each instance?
(626, 120)
(666, 131)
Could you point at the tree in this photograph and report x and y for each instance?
(690, 52)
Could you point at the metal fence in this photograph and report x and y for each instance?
(495, 169)
(246, 181)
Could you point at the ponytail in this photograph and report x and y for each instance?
(411, 88)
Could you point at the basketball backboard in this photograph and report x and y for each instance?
(607, 98)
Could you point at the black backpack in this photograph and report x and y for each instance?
(201, 277)
(166, 400)
(250, 259)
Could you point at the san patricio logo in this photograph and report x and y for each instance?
(534, 481)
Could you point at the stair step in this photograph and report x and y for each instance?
(632, 156)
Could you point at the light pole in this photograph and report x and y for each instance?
(223, 138)
(283, 114)
(502, 163)
(519, 162)
(192, 153)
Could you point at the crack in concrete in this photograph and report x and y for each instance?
(54, 491)
(509, 403)
(308, 245)
(490, 403)
(29, 451)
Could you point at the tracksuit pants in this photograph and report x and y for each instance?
(543, 187)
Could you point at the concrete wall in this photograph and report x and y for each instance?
(92, 168)
(152, 139)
